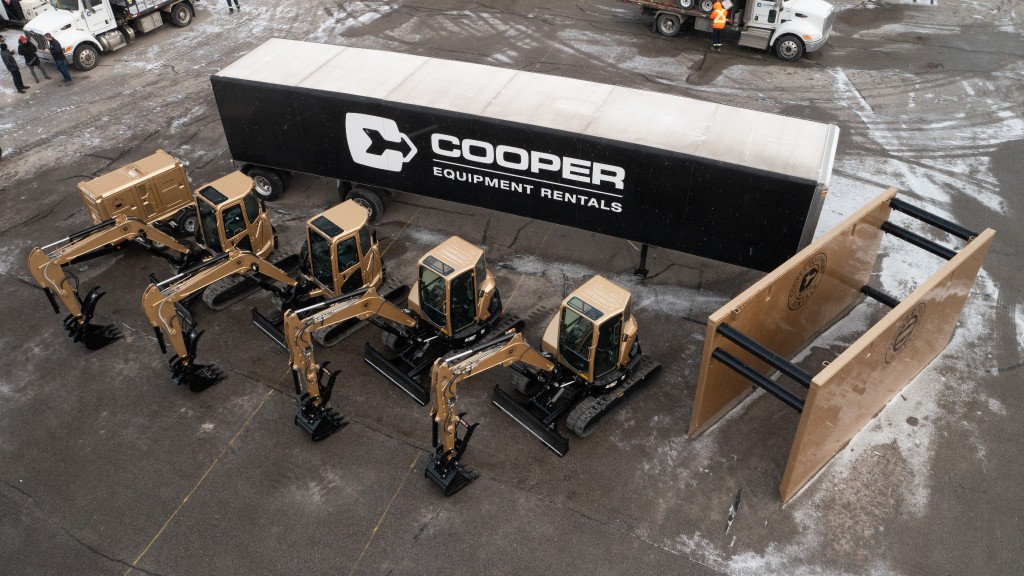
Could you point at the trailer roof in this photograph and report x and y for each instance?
(778, 144)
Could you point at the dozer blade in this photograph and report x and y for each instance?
(399, 378)
(317, 421)
(450, 477)
(521, 413)
(269, 327)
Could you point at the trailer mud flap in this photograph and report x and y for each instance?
(399, 378)
(548, 434)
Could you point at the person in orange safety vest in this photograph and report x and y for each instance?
(719, 16)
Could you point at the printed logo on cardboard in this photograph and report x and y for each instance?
(807, 281)
(904, 333)
(377, 142)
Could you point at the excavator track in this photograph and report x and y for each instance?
(224, 293)
(589, 412)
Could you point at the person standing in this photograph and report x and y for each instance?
(28, 52)
(12, 67)
(719, 16)
(57, 52)
(236, 7)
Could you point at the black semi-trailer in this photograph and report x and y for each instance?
(725, 183)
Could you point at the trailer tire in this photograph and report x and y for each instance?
(86, 57)
(706, 6)
(668, 24)
(181, 14)
(686, 4)
(789, 48)
(267, 184)
(368, 199)
(188, 222)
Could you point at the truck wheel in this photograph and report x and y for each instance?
(181, 15)
(789, 48)
(86, 57)
(668, 24)
(706, 6)
(686, 4)
(368, 199)
(187, 222)
(268, 184)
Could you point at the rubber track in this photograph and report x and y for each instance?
(591, 410)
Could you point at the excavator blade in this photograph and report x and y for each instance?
(270, 327)
(448, 475)
(411, 387)
(548, 434)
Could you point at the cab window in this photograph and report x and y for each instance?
(364, 240)
(575, 334)
(463, 301)
(481, 271)
(252, 208)
(607, 353)
(208, 223)
(320, 258)
(234, 222)
(432, 296)
(348, 254)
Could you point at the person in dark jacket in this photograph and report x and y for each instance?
(28, 52)
(57, 52)
(12, 67)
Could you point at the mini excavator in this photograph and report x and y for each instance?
(590, 361)
(313, 381)
(455, 301)
(144, 203)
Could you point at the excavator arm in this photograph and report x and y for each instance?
(47, 267)
(445, 468)
(161, 302)
(314, 416)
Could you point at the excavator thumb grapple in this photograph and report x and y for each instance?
(314, 416)
(184, 370)
(81, 329)
(445, 468)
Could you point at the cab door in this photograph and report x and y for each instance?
(235, 227)
(97, 16)
(350, 273)
(261, 234)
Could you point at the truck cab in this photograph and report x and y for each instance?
(791, 27)
(85, 28)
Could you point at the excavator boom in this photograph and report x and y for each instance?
(161, 302)
(445, 468)
(47, 267)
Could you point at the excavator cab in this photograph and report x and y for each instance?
(454, 289)
(455, 301)
(594, 330)
(341, 253)
(230, 216)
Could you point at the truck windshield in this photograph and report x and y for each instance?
(432, 296)
(71, 5)
(575, 334)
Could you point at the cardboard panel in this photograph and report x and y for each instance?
(851, 390)
(789, 307)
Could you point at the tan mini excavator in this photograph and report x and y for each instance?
(590, 361)
(455, 302)
(313, 381)
(143, 203)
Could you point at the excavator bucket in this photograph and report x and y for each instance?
(450, 477)
(545, 431)
(395, 374)
(94, 336)
(197, 377)
(316, 418)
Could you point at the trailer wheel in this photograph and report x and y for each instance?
(368, 199)
(668, 24)
(686, 4)
(181, 15)
(789, 48)
(86, 57)
(706, 6)
(188, 222)
(268, 184)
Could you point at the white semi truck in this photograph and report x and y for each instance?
(789, 27)
(87, 28)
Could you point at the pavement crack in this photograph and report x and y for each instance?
(42, 512)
